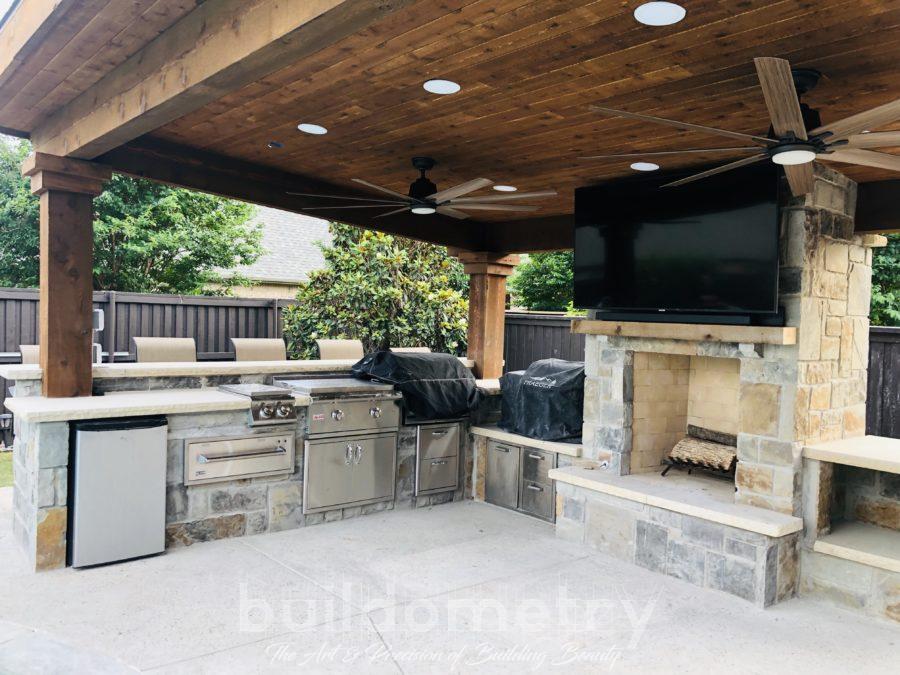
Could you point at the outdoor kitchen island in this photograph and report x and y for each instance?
(199, 414)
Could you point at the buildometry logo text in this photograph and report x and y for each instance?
(594, 628)
(540, 382)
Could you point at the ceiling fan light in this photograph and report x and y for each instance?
(659, 13)
(441, 87)
(423, 210)
(645, 166)
(794, 157)
(314, 129)
(505, 188)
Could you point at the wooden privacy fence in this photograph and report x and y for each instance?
(538, 336)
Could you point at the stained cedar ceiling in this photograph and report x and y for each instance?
(528, 68)
(82, 43)
(528, 71)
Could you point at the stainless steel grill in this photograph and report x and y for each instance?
(350, 452)
(268, 405)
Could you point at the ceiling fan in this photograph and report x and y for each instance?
(797, 136)
(424, 198)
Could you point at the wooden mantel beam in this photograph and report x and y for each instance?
(217, 48)
(208, 172)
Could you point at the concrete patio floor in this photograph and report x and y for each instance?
(455, 588)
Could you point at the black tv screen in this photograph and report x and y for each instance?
(709, 247)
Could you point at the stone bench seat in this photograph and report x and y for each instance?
(867, 452)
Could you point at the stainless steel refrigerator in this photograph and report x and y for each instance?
(118, 479)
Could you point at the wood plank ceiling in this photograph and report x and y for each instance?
(528, 70)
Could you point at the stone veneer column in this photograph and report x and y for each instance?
(608, 403)
(815, 390)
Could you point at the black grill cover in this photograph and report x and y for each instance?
(434, 386)
(546, 401)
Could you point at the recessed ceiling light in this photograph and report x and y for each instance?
(505, 188)
(423, 210)
(644, 166)
(659, 13)
(866, 131)
(314, 129)
(442, 87)
(275, 145)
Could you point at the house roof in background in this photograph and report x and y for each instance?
(290, 241)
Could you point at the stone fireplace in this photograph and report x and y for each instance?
(774, 391)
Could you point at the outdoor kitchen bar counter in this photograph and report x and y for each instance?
(196, 410)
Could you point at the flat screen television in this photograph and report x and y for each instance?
(702, 250)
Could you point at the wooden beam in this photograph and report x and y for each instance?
(688, 331)
(217, 48)
(66, 188)
(878, 207)
(487, 309)
(184, 167)
(531, 235)
(26, 30)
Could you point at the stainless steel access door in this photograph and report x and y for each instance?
(348, 471)
(501, 481)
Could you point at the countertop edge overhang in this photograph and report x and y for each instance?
(23, 372)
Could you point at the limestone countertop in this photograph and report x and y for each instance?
(868, 452)
(571, 449)
(130, 404)
(489, 387)
(22, 372)
(700, 496)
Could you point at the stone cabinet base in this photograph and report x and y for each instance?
(756, 567)
(851, 584)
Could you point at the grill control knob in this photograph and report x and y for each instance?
(266, 410)
(375, 412)
(284, 410)
(337, 415)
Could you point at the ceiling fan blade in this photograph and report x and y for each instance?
(351, 199)
(880, 160)
(800, 178)
(781, 96)
(459, 190)
(505, 198)
(870, 119)
(684, 125)
(379, 188)
(497, 207)
(719, 169)
(877, 139)
(391, 213)
(697, 151)
(453, 213)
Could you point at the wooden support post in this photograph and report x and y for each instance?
(66, 188)
(487, 308)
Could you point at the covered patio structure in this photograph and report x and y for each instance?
(318, 107)
(208, 95)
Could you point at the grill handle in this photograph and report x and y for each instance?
(205, 459)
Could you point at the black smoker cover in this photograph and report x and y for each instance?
(434, 386)
(547, 403)
(510, 385)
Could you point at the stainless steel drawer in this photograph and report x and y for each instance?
(536, 499)
(344, 416)
(349, 471)
(536, 464)
(437, 474)
(501, 480)
(209, 460)
(437, 440)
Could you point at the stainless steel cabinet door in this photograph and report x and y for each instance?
(536, 464)
(438, 440)
(537, 499)
(352, 471)
(437, 474)
(502, 474)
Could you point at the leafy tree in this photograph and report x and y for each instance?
(148, 238)
(384, 290)
(886, 284)
(544, 281)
